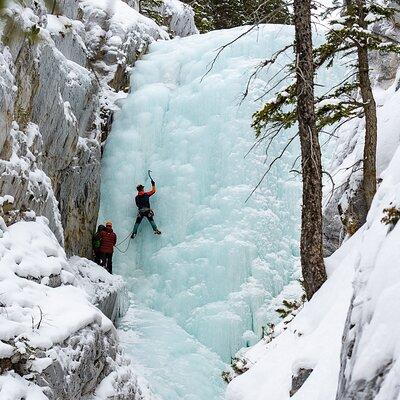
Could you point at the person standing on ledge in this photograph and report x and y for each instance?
(142, 201)
(96, 243)
(108, 240)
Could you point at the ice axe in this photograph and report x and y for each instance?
(149, 173)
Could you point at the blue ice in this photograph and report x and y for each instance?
(199, 288)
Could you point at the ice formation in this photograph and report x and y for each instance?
(202, 288)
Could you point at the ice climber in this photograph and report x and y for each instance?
(108, 240)
(143, 204)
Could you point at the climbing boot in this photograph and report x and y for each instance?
(133, 235)
(157, 232)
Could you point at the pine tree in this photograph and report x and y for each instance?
(351, 34)
(354, 34)
(369, 106)
(312, 260)
(222, 14)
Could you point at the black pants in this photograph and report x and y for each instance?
(106, 261)
(97, 257)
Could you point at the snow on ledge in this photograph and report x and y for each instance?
(33, 314)
(14, 386)
(126, 16)
(311, 341)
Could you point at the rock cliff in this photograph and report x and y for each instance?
(64, 66)
(63, 70)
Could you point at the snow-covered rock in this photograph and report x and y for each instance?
(370, 355)
(107, 292)
(54, 341)
(180, 18)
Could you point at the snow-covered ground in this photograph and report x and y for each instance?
(31, 259)
(311, 341)
(50, 327)
(360, 299)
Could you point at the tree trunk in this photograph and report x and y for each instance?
(371, 124)
(312, 261)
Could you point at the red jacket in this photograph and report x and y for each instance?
(108, 241)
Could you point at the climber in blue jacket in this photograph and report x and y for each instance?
(142, 201)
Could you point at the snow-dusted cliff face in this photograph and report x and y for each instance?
(62, 71)
(346, 166)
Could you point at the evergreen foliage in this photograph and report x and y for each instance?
(221, 14)
(150, 9)
(33, 34)
(291, 307)
(239, 365)
(342, 102)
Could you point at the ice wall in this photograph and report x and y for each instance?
(209, 279)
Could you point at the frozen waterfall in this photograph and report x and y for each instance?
(203, 289)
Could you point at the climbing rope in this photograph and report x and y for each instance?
(127, 248)
(122, 242)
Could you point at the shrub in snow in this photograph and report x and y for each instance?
(392, 216)
(10, 215)
(290, 308)
(239, 366)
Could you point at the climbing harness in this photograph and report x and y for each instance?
(145, 211)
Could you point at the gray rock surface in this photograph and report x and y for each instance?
(350, 388)
(62, 71)
(299, 379)
(79, 364)
(62, 75)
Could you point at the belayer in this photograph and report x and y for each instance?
(108, 240)
(142, 201)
